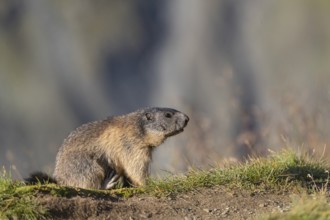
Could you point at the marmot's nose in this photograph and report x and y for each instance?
(186, 119)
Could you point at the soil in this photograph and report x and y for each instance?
(205, 203)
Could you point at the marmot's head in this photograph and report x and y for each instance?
(160, 123)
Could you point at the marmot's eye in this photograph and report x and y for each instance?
(148, 116)
(168, 115)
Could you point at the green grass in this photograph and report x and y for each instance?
(283, 171)
(305, 207)
(17, 204)
(286, 170)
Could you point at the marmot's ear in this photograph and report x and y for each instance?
(149, 116)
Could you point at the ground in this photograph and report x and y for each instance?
(286, 185)
(205, 203)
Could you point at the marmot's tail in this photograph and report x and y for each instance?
(39, 177)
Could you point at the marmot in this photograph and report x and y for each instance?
(97, 154)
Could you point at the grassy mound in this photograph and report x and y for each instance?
(283, 171)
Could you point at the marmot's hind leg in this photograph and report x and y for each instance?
(80, 170)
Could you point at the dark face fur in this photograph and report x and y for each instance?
(164, 120)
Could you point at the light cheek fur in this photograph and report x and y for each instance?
(154, 138)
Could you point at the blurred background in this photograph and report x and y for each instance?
(252, 75)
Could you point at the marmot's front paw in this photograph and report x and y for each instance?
(111, 182)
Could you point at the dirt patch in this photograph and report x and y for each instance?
(212, 203)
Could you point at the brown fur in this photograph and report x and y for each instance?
(96, 154)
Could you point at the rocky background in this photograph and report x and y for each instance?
(252, 75)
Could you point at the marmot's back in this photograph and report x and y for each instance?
(96, 154)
